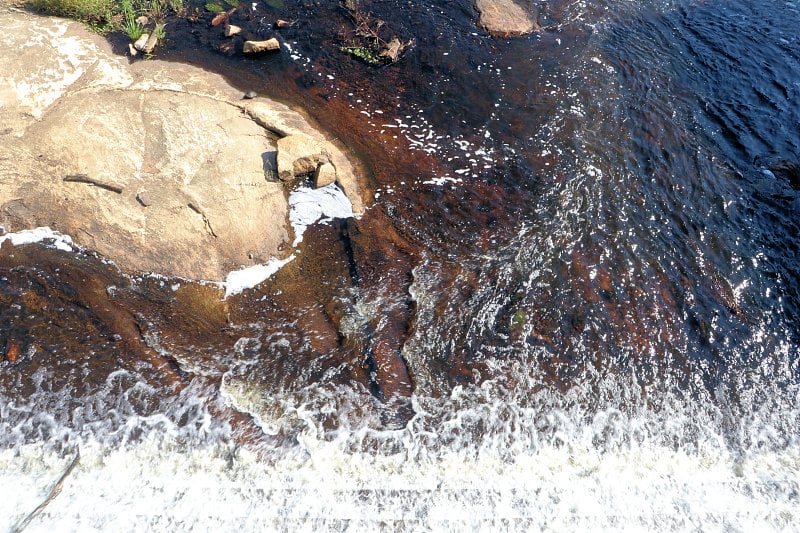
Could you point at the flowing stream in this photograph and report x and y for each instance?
(601, 285)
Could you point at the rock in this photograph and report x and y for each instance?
(73, 107)
(505, 17)
(249, 95)
(12, 351)
(132, 51)
(324, 175)
(219, 19)
(258, 47)
(788, 170)
(141, 42)
(281, 24)
(298, 154)
(285, 121)
(143, 197)
(150, 45)
(231, 30)
(143, 20)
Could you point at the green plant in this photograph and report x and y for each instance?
(367, 40)
(97, 12)
(365, 54)
(132, 28)
(159, 31)
(519, 320)
(155, 9)
(232, 3)
(214, 8)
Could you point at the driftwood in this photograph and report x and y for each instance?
(55, 491)
(83, 178)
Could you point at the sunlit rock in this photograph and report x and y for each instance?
(150, 44)
(506, 16)
(258, 47)
(141, 43)
(156, 166)
(231, 30)
(325, 175)
(298, 154)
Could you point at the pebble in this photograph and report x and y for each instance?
(143, 198)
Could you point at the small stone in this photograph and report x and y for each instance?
(281, 24)
(12, 351)
(150, 44)
(257, 47)
(219, 19)
(249, 95)
(231, 30)
(325, 175)
(143, 20)
(143, 197)
(141, 42)
(132, 50)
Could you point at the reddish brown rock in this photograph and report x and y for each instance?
(12, 351)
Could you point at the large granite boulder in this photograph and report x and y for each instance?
(158, 166)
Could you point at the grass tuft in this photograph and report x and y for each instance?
(107, 15)
(91, 11)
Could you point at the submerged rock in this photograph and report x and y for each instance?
(788, 170)
(506, 17)
(165, 131)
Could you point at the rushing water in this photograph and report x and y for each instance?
(604, 301)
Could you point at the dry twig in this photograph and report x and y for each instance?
(50, 497)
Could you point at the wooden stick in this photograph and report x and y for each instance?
(50, 497)
(83, 178)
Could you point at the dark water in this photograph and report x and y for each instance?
(582, 249)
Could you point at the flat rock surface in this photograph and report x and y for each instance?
(506, 16)
(85, 133)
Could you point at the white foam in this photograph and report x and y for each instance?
(307, 206)
(249, 277)
(157, 484)
(41, 234)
